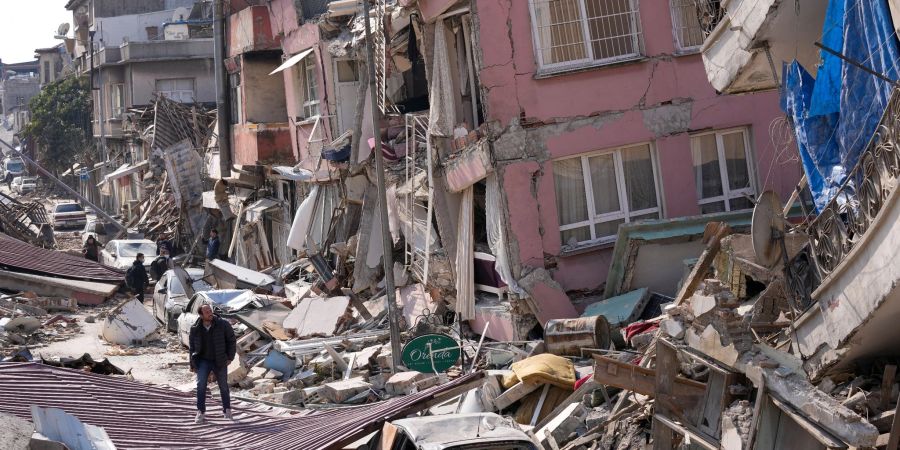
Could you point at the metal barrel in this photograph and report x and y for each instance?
(566, 337)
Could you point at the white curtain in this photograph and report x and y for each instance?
(496, 234)
(302, 220)
(465, 257)
(571, 199)
(441, 116)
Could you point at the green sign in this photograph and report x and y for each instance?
(431, 353)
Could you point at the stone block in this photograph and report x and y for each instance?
(702, 304)
(291, 397)
(673, 328)
(256, 373)
(237, 371)
(273, 374)
(405, 383)
(340, 391)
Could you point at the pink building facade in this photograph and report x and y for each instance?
(623, 128)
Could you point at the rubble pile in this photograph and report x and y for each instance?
(27, 320)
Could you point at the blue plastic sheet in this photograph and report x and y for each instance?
(836, 114)
(815, 134)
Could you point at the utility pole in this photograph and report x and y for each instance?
(222, 104)
(387, 259)
(100, 212)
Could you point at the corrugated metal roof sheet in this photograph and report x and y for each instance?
(138, 416)
(19, 256)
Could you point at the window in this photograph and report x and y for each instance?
(692, 21)
(46, 72)
(117, 100)
(310, 88)
(234, 81)
(570, 34)
(723, 170)
(596, 193)
(177, 89)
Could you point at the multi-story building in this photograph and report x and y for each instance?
(52, 63)
(134, 51)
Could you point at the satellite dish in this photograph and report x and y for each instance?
(767, 228)
(63, 29)
(181, 13)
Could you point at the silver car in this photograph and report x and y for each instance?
(170, 298)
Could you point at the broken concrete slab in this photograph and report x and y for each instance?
(237, 371)
(317, 316)
(84, 292)
(621, 309)
(341, 391)
(256, 373)
(546, 297)
(710, 344)
(702, 304)
(129, 323)
(405, 383)
(22, 324)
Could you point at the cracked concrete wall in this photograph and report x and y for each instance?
(659, 99)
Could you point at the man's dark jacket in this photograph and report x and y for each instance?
(221, 336)
(139, 276)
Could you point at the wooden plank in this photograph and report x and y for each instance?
(887, 384)
(576, 396)
(687, 431)
(716, 231)
(895, 429)
(757, 406)
(666, 371)
(663, 436)
(642, 380)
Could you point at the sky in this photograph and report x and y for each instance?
(29, 24)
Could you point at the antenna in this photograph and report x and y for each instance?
(767, 229)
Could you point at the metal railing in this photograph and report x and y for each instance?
(847, 217)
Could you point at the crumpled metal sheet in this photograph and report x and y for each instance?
(140, 416)
(16, 254)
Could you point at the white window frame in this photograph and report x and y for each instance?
(727, 194)
(588, 61)
(674, 5)
(178, 95)
(310, 88)
(623, 213)
(117, 99)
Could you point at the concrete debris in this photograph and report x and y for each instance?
(129, 324)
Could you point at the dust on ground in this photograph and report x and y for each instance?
(162, 362)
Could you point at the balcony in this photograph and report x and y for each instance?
(262, 143)
(251, 30)
(854, 244)
(744, 51)
(140, 51)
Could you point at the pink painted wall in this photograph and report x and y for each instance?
(296, 38)
(263, 144)
(620, 97)
(431, 9)
(250, 29)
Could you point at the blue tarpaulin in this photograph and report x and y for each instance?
(836, 114)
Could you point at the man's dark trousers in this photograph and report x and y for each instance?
(204, 368)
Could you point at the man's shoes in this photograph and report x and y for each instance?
(201, 418)
(228, 414)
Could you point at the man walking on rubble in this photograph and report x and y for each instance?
(136, 277)
(212, 348)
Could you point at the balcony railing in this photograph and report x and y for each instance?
(841, 225)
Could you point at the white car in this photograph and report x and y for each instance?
(223, 301)
(68, 214)
(120, 253)
(170, 298)
(23, 185)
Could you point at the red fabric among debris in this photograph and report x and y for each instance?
(18, 256)
(639, 328)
